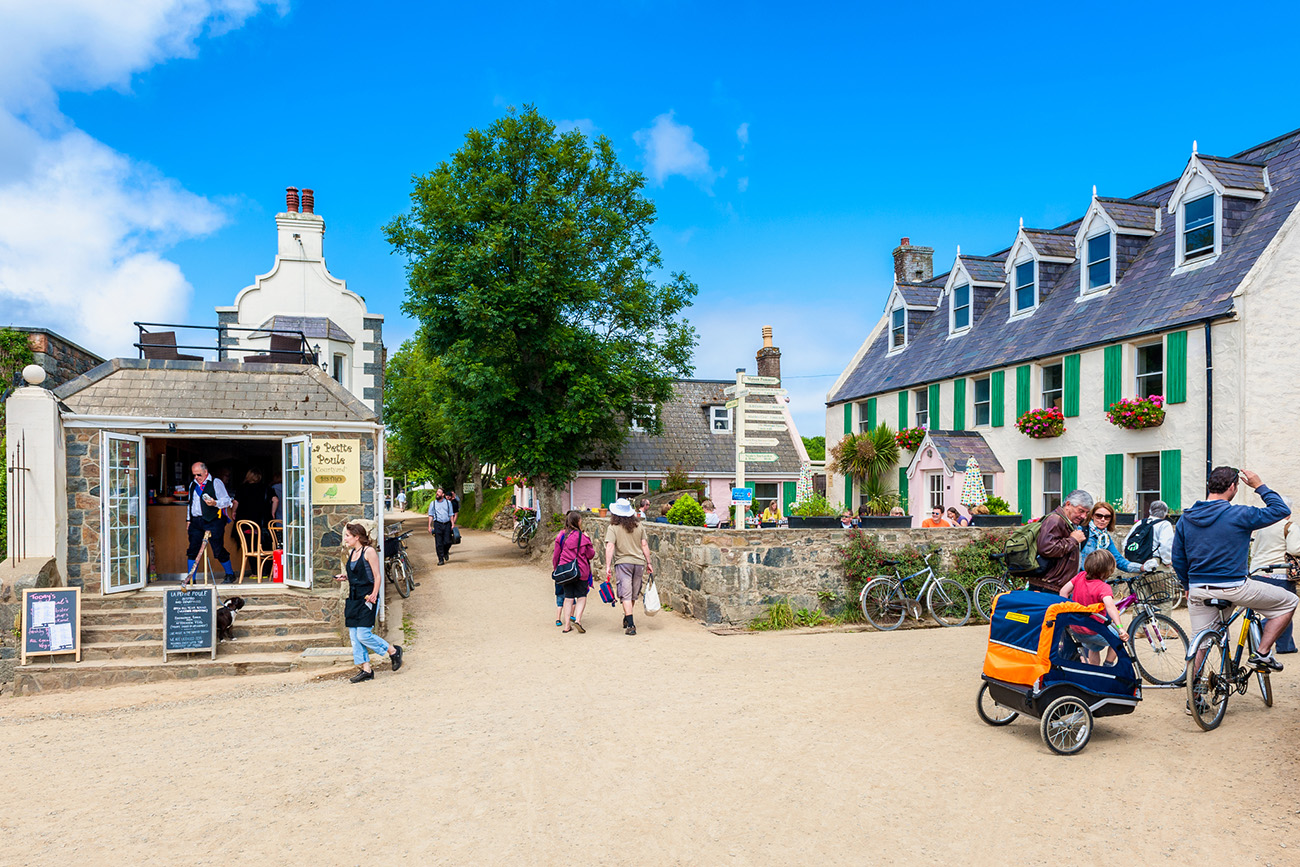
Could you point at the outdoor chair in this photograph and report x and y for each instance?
(250, 539)
(284, 350)
(161, 345)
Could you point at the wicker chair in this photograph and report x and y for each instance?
(161, 345)
(250, 539)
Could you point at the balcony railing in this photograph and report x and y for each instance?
(229, 343)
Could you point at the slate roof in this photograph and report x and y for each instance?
(1237, 174)
(1058, 245)
(919, 295)
(1128, 214)
(985, 269)
(311, 326)
(1149, 297)
(688, 441)
(954, 447)
(150, 388)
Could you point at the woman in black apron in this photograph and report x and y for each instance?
(363, 576)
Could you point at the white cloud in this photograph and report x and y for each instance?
(742, 184)
(584, 125)
(742, 133)
(670, 148)
(83, 228)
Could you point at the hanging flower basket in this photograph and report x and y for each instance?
(1042, 423)
(1137, 413)
(910, 438)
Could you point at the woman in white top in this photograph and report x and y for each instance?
(1269, 547)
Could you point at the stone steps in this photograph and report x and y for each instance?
(152, 648)
(245, 627)
(154, 616)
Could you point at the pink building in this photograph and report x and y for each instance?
(938, 470)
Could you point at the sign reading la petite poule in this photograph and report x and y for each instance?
(336, 471)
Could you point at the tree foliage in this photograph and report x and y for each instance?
(423, 438)
(816, 447)
(536, 283)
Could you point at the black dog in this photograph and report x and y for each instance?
(226, 618)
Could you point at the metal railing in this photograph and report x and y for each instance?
(17, 498)
(293, 349)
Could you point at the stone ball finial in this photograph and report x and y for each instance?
(33, 374)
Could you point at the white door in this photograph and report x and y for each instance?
(297, 511)
(121, 486)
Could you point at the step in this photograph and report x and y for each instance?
(152, 648)
(153, 631)
(154, 616)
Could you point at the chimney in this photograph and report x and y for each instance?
(308, 201)
(769, 357)
(912, 264)
(291, 199)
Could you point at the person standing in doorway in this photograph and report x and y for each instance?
(627, 556)
(363, 576)
(207, 500)
(442, 517)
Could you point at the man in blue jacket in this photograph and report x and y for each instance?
(1211, 544)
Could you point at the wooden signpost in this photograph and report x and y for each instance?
(753, 417)
(51, 622)
(190, 621)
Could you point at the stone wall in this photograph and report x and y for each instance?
(63, 361)
(14, 578)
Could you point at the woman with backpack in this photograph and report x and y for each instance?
(571, 544)
(1101, 524)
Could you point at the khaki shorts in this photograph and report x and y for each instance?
(1264, 599)
(627, 578)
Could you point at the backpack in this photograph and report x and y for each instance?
(1140, 544)
(1021, 551)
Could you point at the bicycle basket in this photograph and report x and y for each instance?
(1156, 589)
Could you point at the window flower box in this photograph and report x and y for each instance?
(910, 438)
(1138, 412)
(1042, 423)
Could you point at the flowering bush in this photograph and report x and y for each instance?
(522, 513)
(1137, 413)
(1042, 423)
(910, 438)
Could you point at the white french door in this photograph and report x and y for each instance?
(121, 489)
(297, 511)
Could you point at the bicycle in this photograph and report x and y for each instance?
(1214, 671)
(1156, 642)
(397, 566)
(885, 602)
(989, 587)
(525, 530)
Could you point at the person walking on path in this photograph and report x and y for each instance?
(573, 544)
(363, 576)
(401, 501)
(1275, 544)
(627, 556)
(442, 517)
(1211, 545)
(1059, 541)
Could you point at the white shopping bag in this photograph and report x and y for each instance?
(651, 599)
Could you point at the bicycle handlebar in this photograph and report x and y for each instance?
(1269, 569)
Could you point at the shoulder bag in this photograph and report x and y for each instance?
(566, 572)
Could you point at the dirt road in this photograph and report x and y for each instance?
(504, 742)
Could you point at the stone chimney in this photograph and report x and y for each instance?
(769, 357)
(912, 264)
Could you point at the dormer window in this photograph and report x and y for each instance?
(719, 419)
(961, 308)
(1026, 290)
(1198, 227)
(1099, 261)
(898, 328)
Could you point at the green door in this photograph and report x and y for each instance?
(608, 492)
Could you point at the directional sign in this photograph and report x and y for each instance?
(732, 404)
(752, 411)
(757, 390)
(735, 390)
(761, 380)
(757, 457)
(758, 426)
(760, 441)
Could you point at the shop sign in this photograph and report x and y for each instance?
(336, 471)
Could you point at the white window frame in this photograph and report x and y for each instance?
(763, 498)
(1042, 382)
(1143, 496)
(628, 489)
(1016, 285)
(862, 418)
(920, 394)
(638, 425)
(934, 490)
(715, 417)
(987, 403)
(986, 479)
(897, 347)
(340, 369)
(1060, 483)
(1181, 260)
(1138, 376)
(1086, 262)
(953, 327)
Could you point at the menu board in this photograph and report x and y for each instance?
(51, 621)
(190, 621)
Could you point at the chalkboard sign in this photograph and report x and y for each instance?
(190, 621)
(51, 621)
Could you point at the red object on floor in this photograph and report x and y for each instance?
(277, 565)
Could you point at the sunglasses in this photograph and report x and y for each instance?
(1103, 515)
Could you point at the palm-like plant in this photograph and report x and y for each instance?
(869, 457)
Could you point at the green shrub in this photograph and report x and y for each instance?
(971, 561)
(863, 559)
(778, 616)
(815, 506)
(808, 617)
(999, 506)
(686, 511)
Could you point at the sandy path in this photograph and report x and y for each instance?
(503, 742)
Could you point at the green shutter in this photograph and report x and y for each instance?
(1112, 381)
(848, 418)
(787, 496)
(1022, 390)
(871, 413)
(608, 492)
(902, 488)
(959, 404)
(655, 484)
(1025, 488)
(1069, 475)
(1171, 478)
(902, 410)
(1114, 479)
(1176, 368)
(935, 412)
(998, 398)
(848, 493)
(1071, 385)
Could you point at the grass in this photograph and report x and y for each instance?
(778, 616)
(408, 628)
(481, 519)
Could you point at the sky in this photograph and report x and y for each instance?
(145, 146)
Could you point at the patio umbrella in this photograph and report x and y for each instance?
(803, 488)
(972, 490)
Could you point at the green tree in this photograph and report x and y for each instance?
(537, 285)
(423, 438)
(869, 457)
(816, 447)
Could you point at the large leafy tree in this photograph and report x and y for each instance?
(423, 439)
(538, 287)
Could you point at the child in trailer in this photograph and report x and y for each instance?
(1088, 588)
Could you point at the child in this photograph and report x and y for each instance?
(1088, 588)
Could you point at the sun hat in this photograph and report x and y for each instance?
(622, 508)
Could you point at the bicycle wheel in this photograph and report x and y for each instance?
(1265, 688)
(986, 590)
(1208, 684)
(948, 602)
(1066, 725)
(1158, 646)
(397, 572)
(883, 603)
(409, 570)
(990, 711)
(525, 535)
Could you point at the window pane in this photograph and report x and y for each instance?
(1025, 297)
(899, 315)
(764, 491)
(981, 414)
(981, 390)
(961, 296)
(1025, 274)
(1150, 358)
(1052, 377)
(961, 317)
(1098, 274)
(1099, 247)
(1198, 212)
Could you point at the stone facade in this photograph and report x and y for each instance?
(61, 359)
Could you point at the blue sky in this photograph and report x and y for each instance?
(145, 146)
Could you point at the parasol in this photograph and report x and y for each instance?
(972, 489)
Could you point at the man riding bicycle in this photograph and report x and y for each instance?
(1211, 544)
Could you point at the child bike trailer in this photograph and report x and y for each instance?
(1037, 665)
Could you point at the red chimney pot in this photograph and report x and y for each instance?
(905, 242)
(291, 199)
(308, 201)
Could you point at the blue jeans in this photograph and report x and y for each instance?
(362, 638)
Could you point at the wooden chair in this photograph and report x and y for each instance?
(276, 529)
(284, 350)
(250, 539)
(162, 345)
